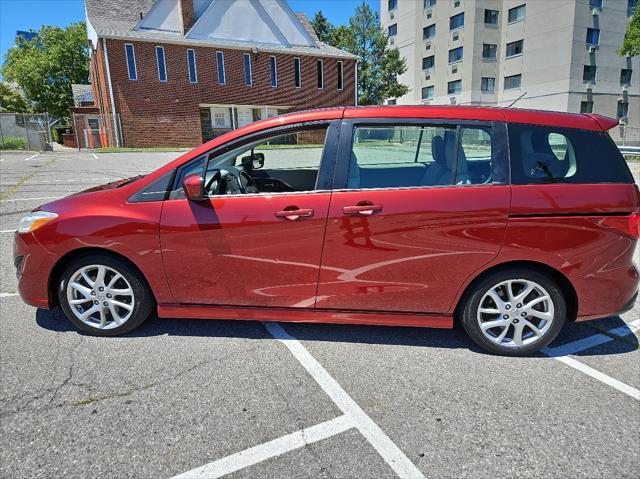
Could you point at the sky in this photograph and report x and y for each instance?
(32, 14)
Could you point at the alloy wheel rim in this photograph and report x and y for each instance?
(515, 313)
(100, 296)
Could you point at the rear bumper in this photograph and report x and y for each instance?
(33, 270)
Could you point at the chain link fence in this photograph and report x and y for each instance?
(95, 130)
(24, 131)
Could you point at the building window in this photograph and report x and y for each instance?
(513, 81)
(586, 107)
(457, 21)
(631, 4)
(273, 71)
(429, 32)
(340, 76)
(297, 76)
(131, 61)
(392, 31)
(589, 74)
(595, 3)
(320, 71)
(625, 76)
(490, 17)
(489, 50)
(623, 110)
(515, 48)
(454, 87)
(593, 36)
(429, 3)
(456, 3)
(220, 68)
(428, 62)
(392, 5)
(248, 80)
(162, 65)
(191, 63)
(488, 84)
(516, 14)
(427, 93)
(455, 55)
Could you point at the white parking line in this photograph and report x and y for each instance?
(95, 157)
(387, 449)
(8, 295)
(277, 447)
(8, 231)
(32, 157)
(32, 199)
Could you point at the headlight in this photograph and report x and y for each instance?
(35, 220)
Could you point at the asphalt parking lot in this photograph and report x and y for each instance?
(211, 398)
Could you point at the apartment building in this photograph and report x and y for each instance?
(180, 72)
(541, 54)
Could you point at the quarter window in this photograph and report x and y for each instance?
(516, 14)
(515, 48)
(542, 154)
(419, 156)
(131, 61)
(191, 62)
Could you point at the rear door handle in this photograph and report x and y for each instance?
(294, 213)
(362, 209)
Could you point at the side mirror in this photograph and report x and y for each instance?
(193, 186)
(254, 161)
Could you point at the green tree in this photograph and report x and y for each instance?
(631, 44)
(46, 66)
(12, 100)
(379, 65)
(322, 26)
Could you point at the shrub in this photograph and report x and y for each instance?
(10, 143)
(57, 132)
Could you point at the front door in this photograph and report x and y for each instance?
(256, 239)
(410, 220)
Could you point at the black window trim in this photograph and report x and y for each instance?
(499, 149)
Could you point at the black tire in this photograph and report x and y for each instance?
(143, 305)
(471, 302)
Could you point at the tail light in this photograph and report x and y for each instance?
(627, 225)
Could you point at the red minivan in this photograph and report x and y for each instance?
(511, 222)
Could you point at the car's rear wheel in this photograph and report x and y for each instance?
(104, 295)
(514, 312)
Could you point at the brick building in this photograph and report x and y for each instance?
(180, 72)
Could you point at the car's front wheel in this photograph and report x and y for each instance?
(104, 295)
(514, 312)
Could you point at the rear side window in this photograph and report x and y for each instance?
(542, 154)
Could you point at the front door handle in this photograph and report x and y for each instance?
(364, 208)
(293, 213)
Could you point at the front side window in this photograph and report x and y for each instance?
(297, 75)
(455, 55)
(392, 31)
(428, 62)
(593, 36)
(589, 73)
(402, 156)
(488, 84)
(131, 61)
(541, 154)
(512, 82)
(490, 17)
(489, 50)
(625, 76)
(515, 48)
(273, 71)
(191, 63)
(162, 65)
(429, 32)
(516, 14)
(220, 68)
(248, 80)
(427, 92)
(454, 87)
(457, 21)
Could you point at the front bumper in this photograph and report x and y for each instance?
(33, 268)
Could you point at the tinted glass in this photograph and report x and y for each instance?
(561, 155)
(156, 191)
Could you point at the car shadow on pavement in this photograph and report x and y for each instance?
(622, 341)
